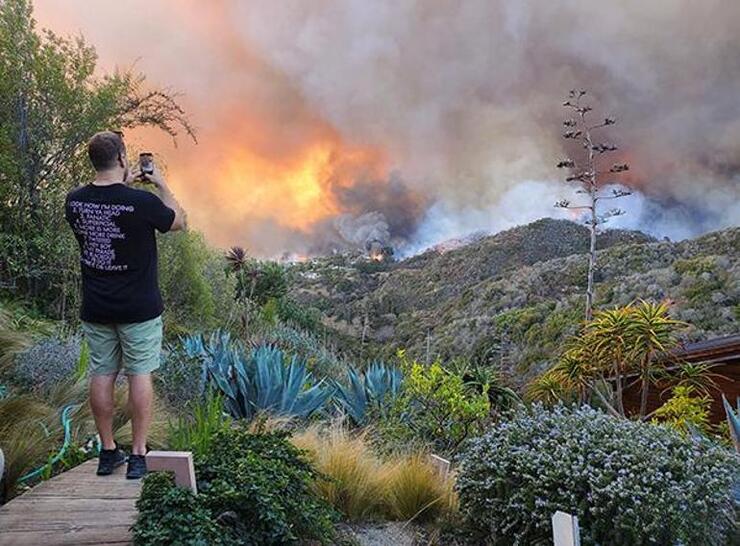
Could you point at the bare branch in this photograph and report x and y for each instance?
(619, 168)
(616, 194)
(566, 164)
(607, 121)
(565, 204)
(604, 147)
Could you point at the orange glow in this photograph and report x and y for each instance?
(295, 191)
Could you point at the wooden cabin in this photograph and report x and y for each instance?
(722, 354)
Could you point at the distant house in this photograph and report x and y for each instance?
(722, 354)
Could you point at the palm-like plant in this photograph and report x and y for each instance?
(485, 377)
(651, 334)
(549, 388)
(580, 364)
(607, 340)
(699, 376)
(637, 338)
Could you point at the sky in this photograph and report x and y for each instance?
(330, 124)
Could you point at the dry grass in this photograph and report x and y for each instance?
(363, 487)
(28, 429)
(12, 340)
(416, 490)
(357, 479)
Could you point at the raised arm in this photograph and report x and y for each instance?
(165, 194)
(168, 198)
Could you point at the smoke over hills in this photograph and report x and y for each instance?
(324, 121)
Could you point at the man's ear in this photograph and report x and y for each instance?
(120, 160)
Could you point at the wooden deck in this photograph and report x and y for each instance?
(73, 508)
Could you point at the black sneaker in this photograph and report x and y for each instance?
(109, 460)
(136, 467)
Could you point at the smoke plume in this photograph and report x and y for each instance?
(324, 121)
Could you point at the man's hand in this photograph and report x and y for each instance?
(154, 178)
(157, 180)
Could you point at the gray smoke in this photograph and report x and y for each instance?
(361, 231)
(462, 98)
(466, 97)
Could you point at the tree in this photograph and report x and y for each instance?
(585, 173)
(257, 283)
(51, 101)
(188, 293)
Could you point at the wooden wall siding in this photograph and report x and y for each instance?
(724, 356)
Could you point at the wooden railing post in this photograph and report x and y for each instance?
(179, 462)
(441, 465)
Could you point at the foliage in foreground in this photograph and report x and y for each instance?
(171, 515)
(257, 488)
(262, 380)
(634, 339)
(629, 483)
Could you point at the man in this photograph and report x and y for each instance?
(121, 304)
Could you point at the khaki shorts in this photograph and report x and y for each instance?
(134, 348)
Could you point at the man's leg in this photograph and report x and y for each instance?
(102, 403)
(140, 394)
(141, 344)
(105, 361)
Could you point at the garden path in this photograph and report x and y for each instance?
(76, 507)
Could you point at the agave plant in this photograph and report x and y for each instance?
(259, 382)
(218, 355)
(374, 388)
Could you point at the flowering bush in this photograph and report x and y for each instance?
(47, 363)
(629, 483)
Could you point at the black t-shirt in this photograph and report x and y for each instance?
(114, 226)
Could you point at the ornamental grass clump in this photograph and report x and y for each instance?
(629, 483)
(363, 486)
(356, 484)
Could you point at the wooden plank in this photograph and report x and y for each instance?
(85, 536)
(75, 508)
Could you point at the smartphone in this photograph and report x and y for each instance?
(146, 162)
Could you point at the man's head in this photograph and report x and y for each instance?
(108, 153)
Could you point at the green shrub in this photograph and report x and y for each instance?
(436, 407)
(253, 489)
(685, 410)
(629, 483)
(179, 379)
(306, 318)
(267, 484)
(186, 291)
(172, 515)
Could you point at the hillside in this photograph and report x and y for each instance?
(510, 299)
